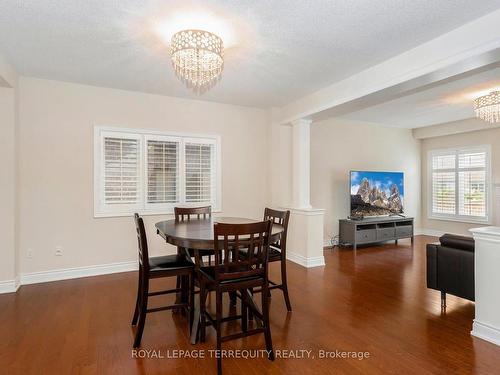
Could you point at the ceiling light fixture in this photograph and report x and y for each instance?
(197, 58)
(487, 107)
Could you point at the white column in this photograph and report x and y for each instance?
(487, 282)
(305, 234)
(301, 163)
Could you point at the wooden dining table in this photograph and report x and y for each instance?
(198, 235)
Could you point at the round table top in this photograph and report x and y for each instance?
(199, 233)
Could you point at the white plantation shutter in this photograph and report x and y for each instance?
(199, 168)
(151, 172)
(459, 181)
(121, 171)
(443, 184)
(162, 171)
(472, 184)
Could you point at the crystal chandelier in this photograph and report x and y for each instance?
(487, 107)
(197, 57)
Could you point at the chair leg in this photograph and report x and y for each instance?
(142, 314)
(233, 298)
(138, 299)
(250, 312)
(244, 311)
(203, 298)
(443, 300)
(265, 321)
(191, 301)
(218, 330)
(284, 285)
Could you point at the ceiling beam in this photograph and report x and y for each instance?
(469, 49)
(8, 75)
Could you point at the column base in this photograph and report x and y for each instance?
(305, 237)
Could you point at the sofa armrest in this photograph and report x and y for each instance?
(432, 271)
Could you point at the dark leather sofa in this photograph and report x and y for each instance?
(450, 267)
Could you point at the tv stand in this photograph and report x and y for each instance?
(375, 229)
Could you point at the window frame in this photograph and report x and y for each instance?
(488, 186)
(143, 207)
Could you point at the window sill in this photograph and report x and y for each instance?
(466, 220)
(100, 215)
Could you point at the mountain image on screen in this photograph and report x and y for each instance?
(376, 193)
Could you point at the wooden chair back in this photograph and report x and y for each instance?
(185, 213)
(230, 239)
(280, 218)
(142, 243)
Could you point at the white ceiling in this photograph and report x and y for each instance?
(282, 50)
(447, 102)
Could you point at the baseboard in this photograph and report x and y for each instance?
(429, 232)
(433, 233)
(486, 332)
(77, 272)
(9, 286)
(304, 261)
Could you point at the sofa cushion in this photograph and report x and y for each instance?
(457, 242)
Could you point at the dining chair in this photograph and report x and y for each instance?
(187, 213)
(234, 273)
(277, 252)
(194, 213)
(158, 267)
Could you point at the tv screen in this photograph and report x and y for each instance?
(376, 193)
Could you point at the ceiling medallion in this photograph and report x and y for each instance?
(197, 58)
(487, 107)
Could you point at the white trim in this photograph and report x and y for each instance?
(77, 272)
(8, 286)
(306, 211)
(305, 262)
(434, 233)
(488, 188)
(486, 332)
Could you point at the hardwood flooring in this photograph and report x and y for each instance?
(374, 300)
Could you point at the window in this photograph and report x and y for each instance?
(150, 172)
(459, 184)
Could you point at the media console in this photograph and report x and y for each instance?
(374, 229)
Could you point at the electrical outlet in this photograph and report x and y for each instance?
(59, 251)
(29, 253)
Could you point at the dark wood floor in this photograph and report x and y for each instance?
(374, 300)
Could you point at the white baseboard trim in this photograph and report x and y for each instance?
(433, 232)
(304, 261)
(486, 332)
(77, 272)
(9, 286)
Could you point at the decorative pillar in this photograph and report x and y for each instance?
(301, 163)
(305, 234)
(487, 280)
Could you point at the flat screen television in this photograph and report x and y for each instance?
(376, 193)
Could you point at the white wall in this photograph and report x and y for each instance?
(338, 146)
(489, 136)
(7, 184)
(56, 166)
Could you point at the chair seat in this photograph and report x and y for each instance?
(274, 253)
(169, 262)
(209, 273)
